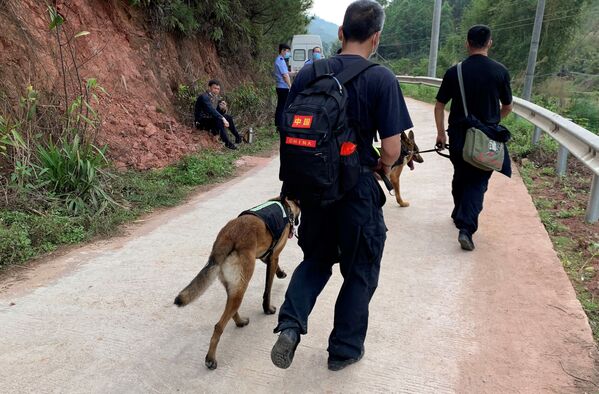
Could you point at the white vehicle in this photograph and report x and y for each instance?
(301, 50)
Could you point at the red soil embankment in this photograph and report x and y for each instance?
(139, 67)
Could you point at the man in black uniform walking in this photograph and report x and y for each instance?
(486, 85)
(350, 231)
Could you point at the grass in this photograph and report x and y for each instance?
(28, 233)
(561, 205)
(420, 92)
(560, 201)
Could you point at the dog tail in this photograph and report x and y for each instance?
(199, 284)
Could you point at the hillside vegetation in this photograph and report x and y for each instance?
(96, 101)
(567, 72)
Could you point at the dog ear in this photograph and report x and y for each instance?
(411, 135)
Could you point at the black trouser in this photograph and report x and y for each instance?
(468, 186)
(216, 126)
(351, 232)
(281, 99)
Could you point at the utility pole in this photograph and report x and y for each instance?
(432, 59)
(534, 49)
(532, 61)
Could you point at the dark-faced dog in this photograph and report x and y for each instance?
(232, 259)
(409, 155)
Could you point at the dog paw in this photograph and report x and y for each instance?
(281, 274)
(269, 310)
(404, 204)
(210, 363)
(242, 322)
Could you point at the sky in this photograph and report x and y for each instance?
(330, 10)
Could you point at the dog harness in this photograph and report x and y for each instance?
(402, 156)
(276, 216)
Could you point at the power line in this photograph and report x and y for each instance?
(496, 27)
(494, 30)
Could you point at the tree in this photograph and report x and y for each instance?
(408, 28)
(512, 29)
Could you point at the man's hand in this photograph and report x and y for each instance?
(225, 123)
(441, 140)
(440, 123)
(382, 168)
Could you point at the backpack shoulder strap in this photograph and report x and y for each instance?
(321, 68)
(354, 70)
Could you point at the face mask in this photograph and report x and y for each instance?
(287, 55)
(317, 56)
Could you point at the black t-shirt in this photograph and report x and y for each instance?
(486, 83)
(375, 102)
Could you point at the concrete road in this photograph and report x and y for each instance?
(501, 319)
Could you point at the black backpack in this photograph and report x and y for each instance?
(319, 157)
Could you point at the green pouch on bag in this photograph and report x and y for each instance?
(483, 152)
(479, 150)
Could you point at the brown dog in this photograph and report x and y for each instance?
(233, 257)
(409, 155)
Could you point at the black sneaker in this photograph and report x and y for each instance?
(465, 240)
(337, 364)
(231, 146)
(284, 349)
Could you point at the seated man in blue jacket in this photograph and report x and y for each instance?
(207, 116)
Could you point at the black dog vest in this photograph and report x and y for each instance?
(276, 217)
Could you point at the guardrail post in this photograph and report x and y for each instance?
(536, 135)
(562, 161)
(593, 207)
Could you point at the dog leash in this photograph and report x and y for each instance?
(437, 149)
(386, 180)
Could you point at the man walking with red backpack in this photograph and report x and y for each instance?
(328, 163)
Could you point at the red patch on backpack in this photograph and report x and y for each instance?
(302, 121)
(300, 142)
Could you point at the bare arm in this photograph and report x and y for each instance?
(287, 79)
(391, 149)
(440, 123)
(506, 109)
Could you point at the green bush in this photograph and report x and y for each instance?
(71, 171)
(585, 112)
(252, 103)
(15, 245)
(199, 169)
(248, 30)
(185, 100)
(24, 235)
(179, 16)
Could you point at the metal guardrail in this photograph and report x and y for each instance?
(573, 139)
